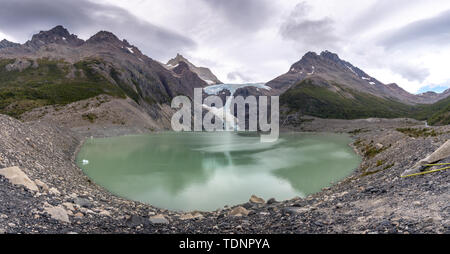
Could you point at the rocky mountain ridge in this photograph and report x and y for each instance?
(329, 67)
(203, 72)
(55, 58)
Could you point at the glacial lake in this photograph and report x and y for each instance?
(206, 171)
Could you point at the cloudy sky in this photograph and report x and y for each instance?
(402, 41)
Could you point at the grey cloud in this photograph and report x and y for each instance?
(21, 19)
(432, 31)
(244, 15)
(375, 13)
(237, 76)
(412, 73)
(319, 33)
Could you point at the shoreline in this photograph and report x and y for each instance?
(82, 142)
(370, 200)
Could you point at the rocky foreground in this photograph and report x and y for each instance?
(43, 191)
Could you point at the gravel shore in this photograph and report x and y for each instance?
(374, 199)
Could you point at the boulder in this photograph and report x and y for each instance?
(17, 177)
(191, 216)
(256, 200)
(271, 201)
(239, 211)
(42, 185)
(54, 191)
(136, 220)
(57, 213)
(159, 219)
(69, 206)
(83, 202)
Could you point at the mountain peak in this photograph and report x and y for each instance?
(7, 44)
(330, 55)
(181, 66)
(179, 63)
(58, 34)
(103, 36)
(310, 54)
(178, 58)
(59, 30)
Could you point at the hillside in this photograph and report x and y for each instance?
(57, 68)
(328, 66)
(316, 97)
(435, 114)
(320, 98)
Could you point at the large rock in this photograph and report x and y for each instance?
(83, 202)
(239, 211)
(41, 184)
(16, 176)
(440, 154)
(256, 200)
(57, 213)
(159, 219)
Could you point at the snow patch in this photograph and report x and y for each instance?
(209, 82)
(372, 83)
(313, 69)
(131, 50)
(351, 69)
(365, 78)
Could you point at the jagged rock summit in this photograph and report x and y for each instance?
(202, 72)
(7, 44)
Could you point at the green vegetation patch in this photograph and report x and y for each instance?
(320, 101)
(418, 132)
(310, 98)
(91, 117)
(50, 84)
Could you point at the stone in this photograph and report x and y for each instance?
(83, 202)
(239, 211)
(191, 216)
(54, 191)
(271, 201)
(186, 216)
(57, 213)
(136, 220)
(42, 185)
(256, 200)
(197, 215)
(105, 213)
(79, 215)
(159, 219)
(294, 210)
(17, 177)
(69, 206)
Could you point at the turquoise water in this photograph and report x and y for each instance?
(205, 171)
